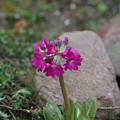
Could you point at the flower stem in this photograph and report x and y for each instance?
(66, 102)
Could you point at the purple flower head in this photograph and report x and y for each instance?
(38, 62)
(51, 49)
(73, 64)
(53, 70)
(67, 53)
(47, 57)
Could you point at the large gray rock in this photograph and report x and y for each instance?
(111, 40)
(95, 77)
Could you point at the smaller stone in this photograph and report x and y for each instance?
(72, 6)
(111, 39)
(114, 54)
(67, 22)
(57, 13)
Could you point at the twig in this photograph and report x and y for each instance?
(9, 110)
(108, 108)
(22, 110)
(12, 114)
(29, 101)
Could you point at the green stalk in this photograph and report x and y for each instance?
(66, 102)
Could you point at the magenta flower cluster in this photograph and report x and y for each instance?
(48, 56)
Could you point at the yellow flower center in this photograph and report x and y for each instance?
(41, 51)
(53, 66)
(53, 50)
(71, 62)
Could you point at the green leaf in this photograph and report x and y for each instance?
(95, 2)
(62, 48)
(112, 116)
(52, 112)
(23, 91)
(2, 98)
(88, 109)
(3, 116)
(93, 25)
(73, 110)
(102, 7)
(4, 73)
(12, 75)
(83, 118)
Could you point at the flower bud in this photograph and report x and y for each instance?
(58, 42)
(66, 40)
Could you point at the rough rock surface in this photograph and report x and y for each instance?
(111, 40)
(95, 77)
